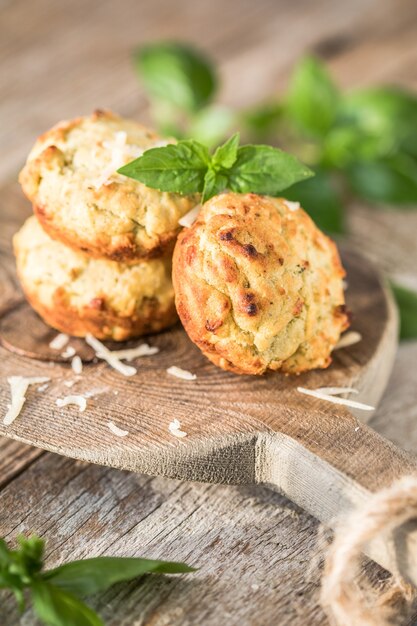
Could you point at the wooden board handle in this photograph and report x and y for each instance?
(353, 462)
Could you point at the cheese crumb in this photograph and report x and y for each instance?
(106, 355)
(174, 428)
(71, 383)
(79, 401)
(116, 430)
(318, 393)
(189, 218)
(77, 365)
(335, 391)
(180, 373)
(133, 353)
(120, 151)
(18, 387)
(292, 206)
(59, 342)
(68, 352)
(348, 339)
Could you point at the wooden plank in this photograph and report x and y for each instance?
(15, 458)
(253, 547)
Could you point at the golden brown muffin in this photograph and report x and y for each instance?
(258, 286)
(77, 294)
(70, 177)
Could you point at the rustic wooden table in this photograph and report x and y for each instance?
(255, 549)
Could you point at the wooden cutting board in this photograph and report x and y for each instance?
(240, 429)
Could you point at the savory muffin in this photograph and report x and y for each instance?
(70, 177)
(77, 294)
(258, 286)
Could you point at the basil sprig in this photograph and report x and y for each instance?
(188, 167)
(56, 593)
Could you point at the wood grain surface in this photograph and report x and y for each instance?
(254, 548)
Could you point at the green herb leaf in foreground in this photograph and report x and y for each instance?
(188, 167)
(407, 305)
(89, 576)
(55, 593)
(56, 607)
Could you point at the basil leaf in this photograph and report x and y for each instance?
(56, 607)
(214, 183)
(178, 168)
(265, 170)
(89, 576)
(312, 98)
(407, 305)
(4, 554)
(30, 554)
(226, 154)
(392, 180)
(18, 567)
(177, 74)
(211, 125)
(321, 199)
(20, 598)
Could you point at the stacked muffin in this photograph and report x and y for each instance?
(96, 256)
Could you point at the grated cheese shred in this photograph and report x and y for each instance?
(68, 352)
(180, 373)
(348, 339)
(119, 432)
(77, 365)
(79, 401)
(189, 218)
(335, 391)
(332, 397)
(59, 342)
(120, 151)
(133, 353)
(107, 355)
(292, 206)
(18, 387)
(174, 428)
(72, 382)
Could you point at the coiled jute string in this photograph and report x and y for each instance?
(345, 603)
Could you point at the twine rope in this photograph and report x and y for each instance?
(345, 603)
